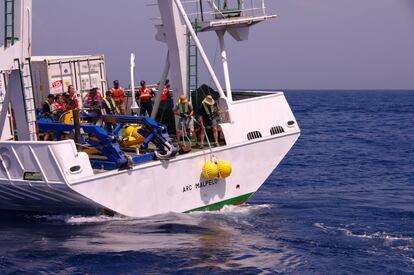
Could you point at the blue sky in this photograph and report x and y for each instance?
(313, 44)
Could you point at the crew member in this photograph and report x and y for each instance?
(72, 96)
(118, 95)
(166, 91)
(93, 101)
(185, 111)
(46, 110)
(58, 106)
(208, 116)
(109, 104)
(144, 97)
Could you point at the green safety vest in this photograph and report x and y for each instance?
(112, 108)
(210, 111)
(180, 107)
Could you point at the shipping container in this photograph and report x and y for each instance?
(53, 75)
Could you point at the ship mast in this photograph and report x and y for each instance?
(233, 17)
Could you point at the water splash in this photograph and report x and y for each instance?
(366, 235)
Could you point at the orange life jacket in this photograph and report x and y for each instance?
(145, 95)
(118, 94)
(164, 95)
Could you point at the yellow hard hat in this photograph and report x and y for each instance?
(183, 99)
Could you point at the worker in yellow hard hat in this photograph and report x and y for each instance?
(209, 116)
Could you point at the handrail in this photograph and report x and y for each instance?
(243, 8)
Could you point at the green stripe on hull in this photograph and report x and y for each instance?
(219, 205)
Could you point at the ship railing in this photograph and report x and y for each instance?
(208, 10)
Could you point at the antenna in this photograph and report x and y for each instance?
(134, 105)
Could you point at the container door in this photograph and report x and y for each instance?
(91, 74)
(61, 75)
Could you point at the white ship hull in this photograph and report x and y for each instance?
(153, 188)
(53, 177)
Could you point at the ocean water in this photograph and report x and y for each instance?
(342, 201)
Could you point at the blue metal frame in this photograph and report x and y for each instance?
(106, 140)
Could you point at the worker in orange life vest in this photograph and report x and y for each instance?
(166, 91)
(58, 106)
(144, 97)
(71, 94)
(118, 95)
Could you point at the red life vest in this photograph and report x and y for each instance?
(164, 95)
(74, 98)
(118, 94)
(94, 101)
(145, 95)
(58, 106)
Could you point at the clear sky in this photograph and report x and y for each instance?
(313, 44)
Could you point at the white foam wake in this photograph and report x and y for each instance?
(245, 209)
(234, 209)
(95, 219)
(70, 219)
(376, 235)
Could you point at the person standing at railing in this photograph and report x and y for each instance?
(144, 97)
(166, 91)
(118, 95)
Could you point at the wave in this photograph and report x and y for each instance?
(376, 235)
(244, 209)
(79, 219)
(95, 219)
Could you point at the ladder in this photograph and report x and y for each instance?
(9, 27)
(8, 123)
(192, 57)
(29, 99)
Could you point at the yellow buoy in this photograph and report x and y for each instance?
(210, 170)
(129, 142)
(132, 131)
(224, 168)
(129, 130)
(67, 117)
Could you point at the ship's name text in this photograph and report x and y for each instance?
(199, 185)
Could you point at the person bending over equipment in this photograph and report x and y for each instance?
(185, 111)
(208, 116)
(109, 105)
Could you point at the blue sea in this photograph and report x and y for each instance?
(341, 202)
